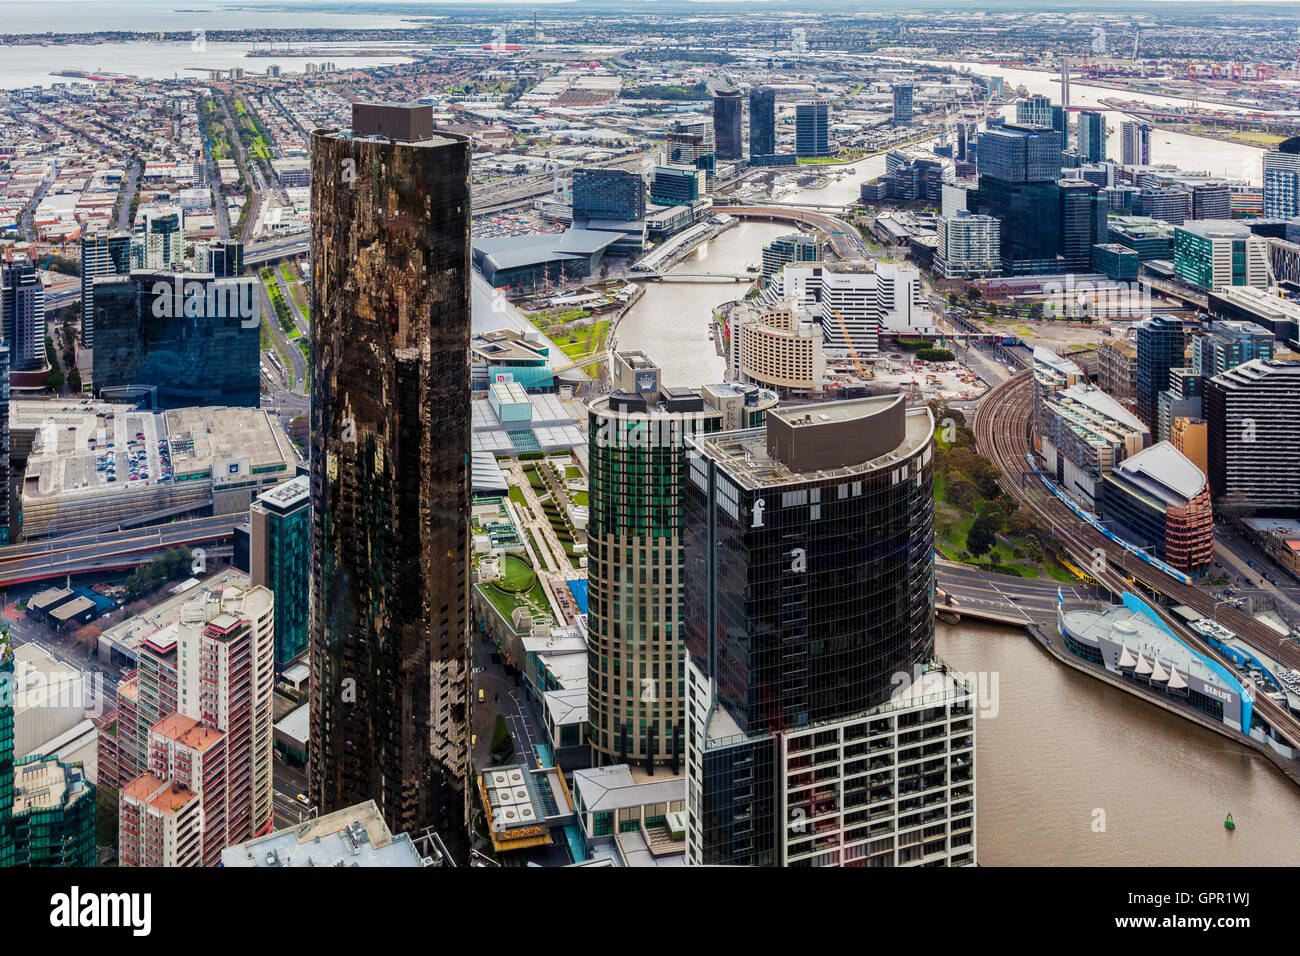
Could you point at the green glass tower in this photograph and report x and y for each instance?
(279, 558)
(637, 664)
(47, 807)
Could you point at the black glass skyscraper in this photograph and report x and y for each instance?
(728, 124)
(1159, 342)
(809, 584)
(177, 339)
(390, 380)
(812, 128)
(762, 121)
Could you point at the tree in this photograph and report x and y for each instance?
(982, 536)
(54, 381)
(961, 494)
(74, 381)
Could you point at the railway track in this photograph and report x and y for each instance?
(1002, 434)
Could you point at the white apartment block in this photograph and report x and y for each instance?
(855, 301)
(969, 247)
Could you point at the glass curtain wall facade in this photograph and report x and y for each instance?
(810, 589)
(390, 477)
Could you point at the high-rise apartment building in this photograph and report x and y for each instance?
(1092, 136)
(1282, 180)
(970, 247)
(102, 254)
(22, 311)
(224, 258)
(1135, 144)
(192, 743)
(902, 102)
(821, 730)
(1159, 341)
(176, 340)
(1117, 370)
(812, 128)
(762, 121)
(163, 246)
(636, 608)
(1212, 200)
(600, 193)
(729, 124)
(1252, 413)
(796, 247)
(390, 477)
(279, 556)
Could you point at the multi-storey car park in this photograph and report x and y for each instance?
(97, 465)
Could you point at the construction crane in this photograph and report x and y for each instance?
(853, 352)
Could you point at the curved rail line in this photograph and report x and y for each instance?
(1002, 433)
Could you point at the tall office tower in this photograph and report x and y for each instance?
(164, 237)
(729, 124)
(1159, 343)
(1083, 212)
(1092, 136)
(637, 662)
(1135, 144)
(279, 555)
(178, 339)
(691, 142)
(1253, 444)
(1019, 167)
(390, 376)
(1213, 254)
(5, 478)
(1035, 111)
(812, 679)
(1061, 123)
(102, 254)
(47, 807)
(224, 258)
(1212, 200)
(608, 194)
(812, 129)
(902, 102)
(1282, 180)
(22, 311)
(677, 185)
(762, 121)
(196, 762)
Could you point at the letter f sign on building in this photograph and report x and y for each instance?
(759, 505)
